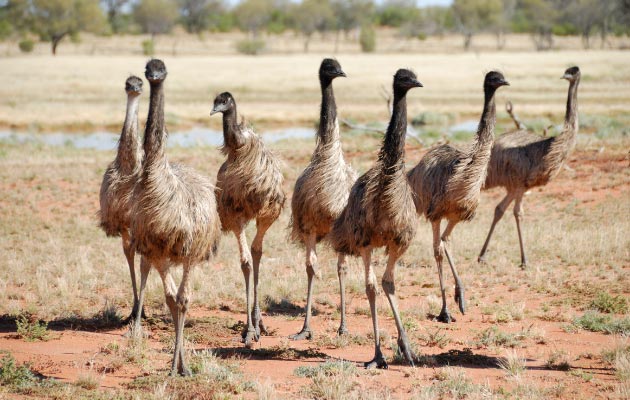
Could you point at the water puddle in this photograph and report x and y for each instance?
(109, 141)
(191, 138)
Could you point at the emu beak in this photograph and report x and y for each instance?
(416, 83)
(504, 82)
(213, 111)
(566, 76)
(342, 74)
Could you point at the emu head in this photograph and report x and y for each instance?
(571, 74)
(222, 103)
(405, 79)
(330, 69)
(494, 80)
(155, 71)
(133, 85)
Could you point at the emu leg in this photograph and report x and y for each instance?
(145, 268)
(342, 271)
(182, 303)
(249, 334)
(311, 270)
(390, 290)
(459, 287)
(438, 253)
(518, 216)
(498, 214)
(257, 248)
(129, 251)
(370, 290)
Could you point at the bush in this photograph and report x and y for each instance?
(148, 47)
(31, 329)
(13, 375)
(607, 303)
(250, 47)
(367, 38)
(26, 45)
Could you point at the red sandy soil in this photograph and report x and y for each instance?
(71, 353)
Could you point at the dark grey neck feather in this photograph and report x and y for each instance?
(571, 115)
(155, 131)
(393, 151)
(485, 129)
(128, 156)
(232, 136)
(328, 114)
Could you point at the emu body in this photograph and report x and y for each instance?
(521, 160)
(447, 184)
(119, 180)
(381, 213)
(249, 186)
(321, 192)
(175, 217)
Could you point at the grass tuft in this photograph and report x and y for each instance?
(597, 322)
(606, 303)
(512, 364)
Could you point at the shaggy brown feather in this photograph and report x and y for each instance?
(119, 180)
(249, 186)
(321, 192)
(521, 160)
(381, 212)
(175, 219)
(447, 184)
(121, 175)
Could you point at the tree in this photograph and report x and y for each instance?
(351, 14)
(55, 19)
(472, 16)
(539, 17)
(313, 16)
(155, 16)
(200, 15)
(114, 11)
(397, 12)
(253, 15)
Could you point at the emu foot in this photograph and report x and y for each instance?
(305, 333)
(460, 299)
(249, 337)
(405, 350)
(482, 259)
(132, 315)
(181, 371)
(377, 362)
(445, 317)
(523, 264)
(259, 324)
(342, 330)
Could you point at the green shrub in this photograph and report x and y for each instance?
(31, 330)
(148, 47)
(26, 45)
(367, 38)
(597, 322)
(606, 303)
(250, 47)
(13, 375)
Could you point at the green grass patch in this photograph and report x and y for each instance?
(606, 303)
(597, 322)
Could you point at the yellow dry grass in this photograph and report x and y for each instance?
(85, 92)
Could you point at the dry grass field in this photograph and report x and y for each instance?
(556, 330)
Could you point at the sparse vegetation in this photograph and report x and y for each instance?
(558, 360)
(606, 303)
(31, 329)
(13, 375)
(512, 364)
(597, 322)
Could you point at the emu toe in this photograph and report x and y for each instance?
(445, 317)
(377, 362)
(249, 338)
(305, 333)
(460, 299)
(405, 350)
(342, 330)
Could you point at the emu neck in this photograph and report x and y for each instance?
(328, 131)
(128, 156)
(393, 150)
(232, 136)
(155, 131)
(485, 130)
(571, 116)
